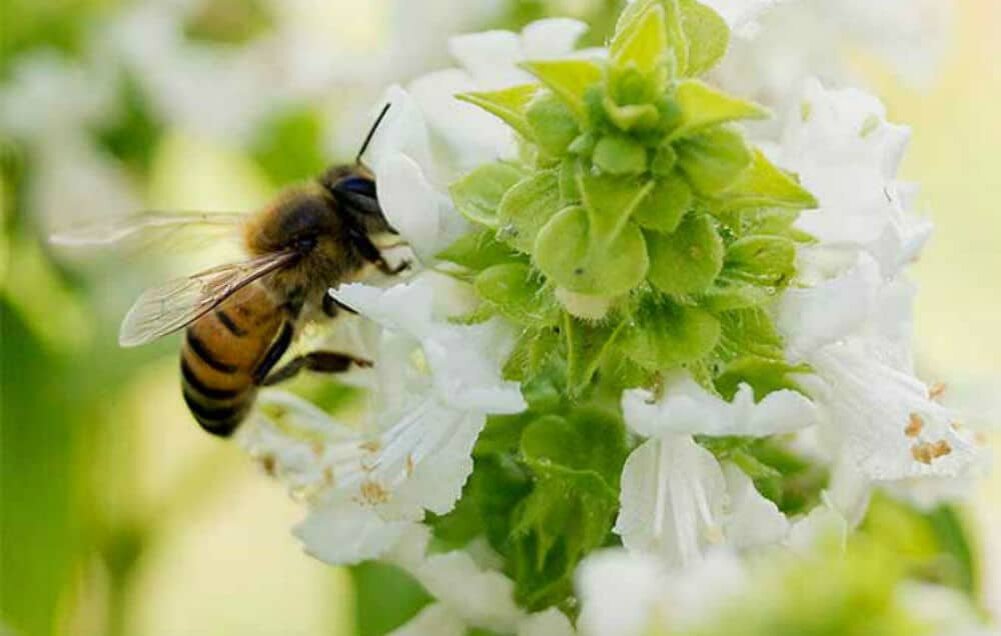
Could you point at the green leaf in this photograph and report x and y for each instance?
(518, 294)
(751, 351)
(385, 597)
(526, 208)
(509, 104)
(665, 206)
(478, 194)
(576, 461)
(534, 350)
(568, 252)
(553, 126)
(588, 440)
(707, 34)
(569, 192)
(703, 106)
(478, 251)
(644, 44)
(755, 270)
(665, 334)
(620, 155)
(587, 345)
(687, 261)
(764, 184)
(763, 375)
(714, 160)
(568, 79)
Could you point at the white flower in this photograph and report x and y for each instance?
(627, 594)
(685, 407)
(467, 595)
(436, 383)
(841, 137)
(677, 500)
(792, 40)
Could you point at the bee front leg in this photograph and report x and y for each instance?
(319, 361)
(371, 253)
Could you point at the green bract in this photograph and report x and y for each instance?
(636, 187)
(639, 232)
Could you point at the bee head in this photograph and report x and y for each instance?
(353, 191)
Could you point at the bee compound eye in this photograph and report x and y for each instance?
(305, 243)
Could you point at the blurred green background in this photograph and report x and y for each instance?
(120, 517)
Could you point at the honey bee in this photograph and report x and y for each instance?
(241, 318)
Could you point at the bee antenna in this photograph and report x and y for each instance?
(371, 133)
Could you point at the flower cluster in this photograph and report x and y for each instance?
(630, 326)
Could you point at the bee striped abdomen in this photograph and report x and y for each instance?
(221, 356)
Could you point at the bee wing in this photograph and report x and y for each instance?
(146, 228)
(174, 305)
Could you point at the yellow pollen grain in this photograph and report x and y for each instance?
(914, 425)
(936, 390)
(941, 448)
(956, 426)
(373, 493)
(927, 452)
(269, 464)
(371, 446)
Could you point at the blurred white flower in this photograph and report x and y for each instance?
(436, 382)
(796, 39)
(628, 594)
(467, 595)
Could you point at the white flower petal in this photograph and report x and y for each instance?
(551, 622)
(422, 215)
(685, 407)
(829, 311)
(617, 592)
(433, 620)
(673, 499)
(884, 416)
(348, 533)
(753, 520)
(490, 57)
(551, 38)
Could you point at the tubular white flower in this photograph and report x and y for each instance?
(467, 594)
(435, 384)
(678, 502)
(842, 137)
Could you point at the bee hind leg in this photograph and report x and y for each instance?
(319, 361)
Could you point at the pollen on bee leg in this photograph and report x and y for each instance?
(914, 425)
(936, 391)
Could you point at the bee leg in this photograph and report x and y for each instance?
(371, 253)
(319, 361)
(331, 306)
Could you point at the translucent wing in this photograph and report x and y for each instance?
(174, 305)
(145, 228)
